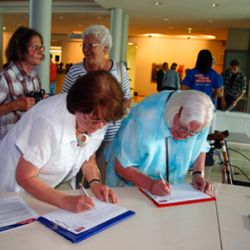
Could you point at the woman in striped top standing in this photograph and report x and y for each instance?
(97, 42)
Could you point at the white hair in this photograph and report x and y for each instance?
(194, 105)
(101, 33)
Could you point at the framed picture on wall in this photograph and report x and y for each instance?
(155, 68)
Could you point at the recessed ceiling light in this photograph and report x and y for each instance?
(153, 35)
(157, 3)
(215, 5)
(166, 19)
(4, 28)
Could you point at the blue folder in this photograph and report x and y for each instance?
(18, 224)
(75, 238)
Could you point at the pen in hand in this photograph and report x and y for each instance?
(83, 190)
(164, 182)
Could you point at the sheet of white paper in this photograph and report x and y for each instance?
(80, 222)
(180, 192)
(15, 210)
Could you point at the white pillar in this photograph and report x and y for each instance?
(1, 41)
(40, 12)
(124, 40)
(116, 32)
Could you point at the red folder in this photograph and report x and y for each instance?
(182, 194)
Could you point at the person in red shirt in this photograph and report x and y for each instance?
(53, 74)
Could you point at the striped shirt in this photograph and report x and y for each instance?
(15, 83)
(120, 73)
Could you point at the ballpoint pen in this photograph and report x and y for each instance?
(162, 179)
(83, 190)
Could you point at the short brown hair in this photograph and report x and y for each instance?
(96, 91)
(17, 47)
(235, 62)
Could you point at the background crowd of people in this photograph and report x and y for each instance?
(225, 90)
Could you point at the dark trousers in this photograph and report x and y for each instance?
(229, 100)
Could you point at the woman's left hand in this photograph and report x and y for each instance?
(199, 182)
(103, 192)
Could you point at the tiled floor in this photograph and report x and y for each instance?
(239, 156)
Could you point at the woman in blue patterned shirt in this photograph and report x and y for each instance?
(163, 135)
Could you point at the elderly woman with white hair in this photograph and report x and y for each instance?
(97, 42)
(164, 135)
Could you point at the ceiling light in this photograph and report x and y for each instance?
(153, 35)
(215, 5)
(166, 19)
(4, 28)
(195, 37)
(157, 3)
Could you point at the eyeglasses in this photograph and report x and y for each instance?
(37, 47)
(90, 45)
(94, 121)
(187, 131)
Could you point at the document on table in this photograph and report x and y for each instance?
(79, 222)
(181, 194)
(15, 212)
(79, 226)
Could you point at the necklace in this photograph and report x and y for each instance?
(82, 138)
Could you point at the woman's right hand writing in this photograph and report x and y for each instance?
(160, 188)
(77, 203)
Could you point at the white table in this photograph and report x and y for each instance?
(233, 204)
(236, 122)
(199, 226)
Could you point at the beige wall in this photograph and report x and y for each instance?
(131, 62)
(72, 52)
(158, 50)
(6, 37)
